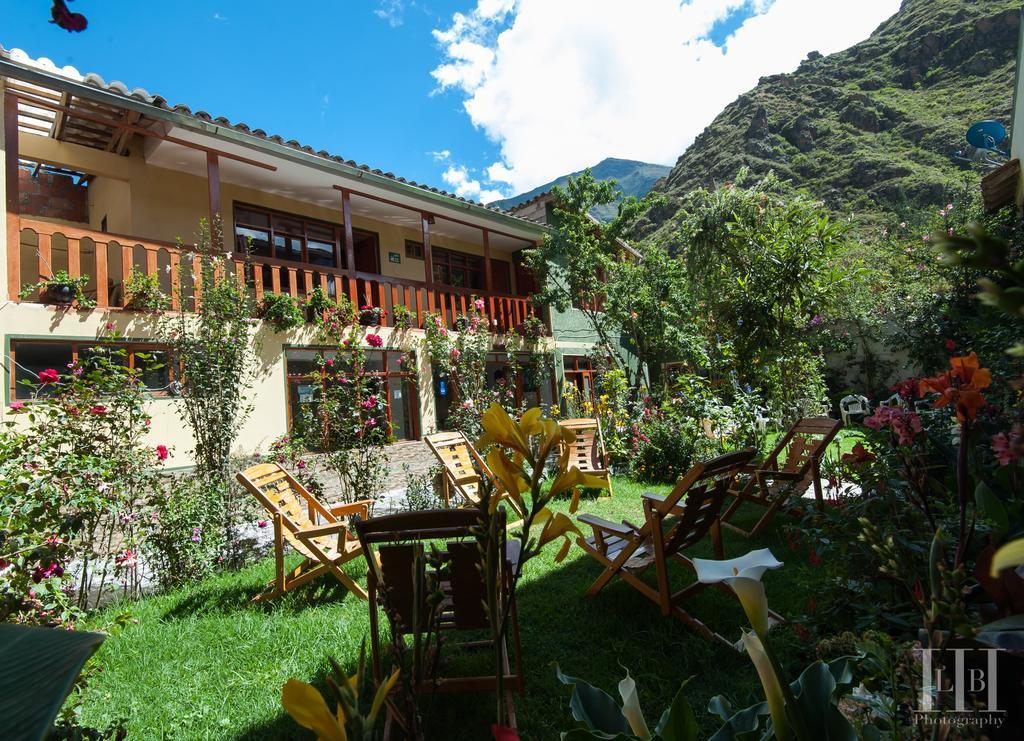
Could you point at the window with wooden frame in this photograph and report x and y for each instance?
(579, 371)
(29, 357)
(414, 249)
(388, 377)
(458, 269)
(265, 233)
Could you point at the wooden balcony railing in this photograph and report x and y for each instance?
(109, 259)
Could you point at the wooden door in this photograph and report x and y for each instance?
(366, 246)
(501, 276)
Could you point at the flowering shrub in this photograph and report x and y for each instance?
(184, 539)
(214, 348)
(70, 488)
(402, 316)
(461, 357)
(371, 315)
(348, 420)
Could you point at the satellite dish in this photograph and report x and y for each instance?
(987, 135)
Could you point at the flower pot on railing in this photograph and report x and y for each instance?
(60, 293)
(371, 316)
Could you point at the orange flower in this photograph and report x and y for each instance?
(960, 386)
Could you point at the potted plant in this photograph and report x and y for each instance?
(142, 292)
(533, 329)
(281, 311)
(371, 316)
(402, 316)
(61, 289)
(317, 302)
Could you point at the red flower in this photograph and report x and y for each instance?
(1007, 448)
(98, 409)
(858, 455)
(16, 405)
(161, 452)
(960, 386)
(950, 345)
(67, 20)
(503, 733)
(374, 340)
(48, 376)
(813, 558)
(261, 524)
(801, 632)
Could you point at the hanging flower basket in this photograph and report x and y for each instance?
(371, 316)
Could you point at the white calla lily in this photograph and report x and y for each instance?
(743, 575)
(631, 708)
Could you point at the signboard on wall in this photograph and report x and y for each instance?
(394, 257)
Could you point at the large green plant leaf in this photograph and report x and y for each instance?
(1005, 633)
(37, 669)
(815, 693)
(594, 707)
(990, 507)
(678, 723)
(741, 725)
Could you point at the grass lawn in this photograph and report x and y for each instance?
(202, 662)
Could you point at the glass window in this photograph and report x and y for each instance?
(252, 241)
(287, 248)
(251, 217)
(320, 253)
(32, 358)
(389, 381)
(151, 361)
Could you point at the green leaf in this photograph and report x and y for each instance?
(815, 693)
(594, 706)
(740, 726)
(582, 734)
(678, 723)
(38, 667)
(990, 507)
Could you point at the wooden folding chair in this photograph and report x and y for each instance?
(671, 525)
(587, 452)
(793, 465)
(314, 530)
(464, 469)
(392, 545)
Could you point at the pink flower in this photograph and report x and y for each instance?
(48, 376)
(16, 405)
(455, 353)
(301, 464)
(110, 326)
(950, 345)
(161, 452)
(369, 402)
(374, 340)
(126, 558)
(261, 524)
(98, 409)
(1006, 448)
(53, 569)
(330, 363)
(197, 535)
(371, 422)
(479, 304)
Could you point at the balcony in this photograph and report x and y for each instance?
(108, 260)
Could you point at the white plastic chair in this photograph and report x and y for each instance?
(893, 401)
(853, 405)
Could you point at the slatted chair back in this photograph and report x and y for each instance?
(805, 442)
(460, 461)
(399, 539)
(696, 501)
(280, 494)
(587, 452)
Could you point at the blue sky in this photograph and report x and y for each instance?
(433, 90)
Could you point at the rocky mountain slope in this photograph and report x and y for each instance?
(870, 130)
(634, 179)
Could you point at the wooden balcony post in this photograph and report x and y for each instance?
(428, 260)
(13, 224)
(213, 184)
(350, 246)
(488, 281)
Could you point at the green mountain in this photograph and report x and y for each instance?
(871, 130)
(633, 178)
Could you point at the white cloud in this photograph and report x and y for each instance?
(561, 85)
(460, 181)
(219, 17)
(442, 155)
(392, 11)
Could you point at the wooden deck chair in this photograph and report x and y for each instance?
(587, 452)
(316, 531)
(793, 464)
(391, 544)
(671, 525)
(464, 469)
